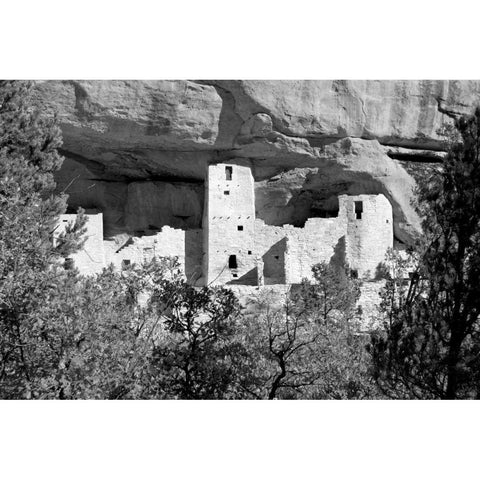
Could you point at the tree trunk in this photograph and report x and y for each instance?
(278, 379)
(452, 373)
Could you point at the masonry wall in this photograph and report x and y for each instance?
(360, 242)
(97, 253)
(289, 252)
(186, 245)
(321, 240)
(233, 246)
(270, 246)
(91, 258)
(368, 237)
(229, 224)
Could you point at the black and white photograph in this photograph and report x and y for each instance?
(240, 239)
(239, 243)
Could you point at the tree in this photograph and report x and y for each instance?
(198, 355)
(334, 293)
(102, 330)
(283, 340)
(430, 345)
(29, 212)
(395, 270)
(309, 346)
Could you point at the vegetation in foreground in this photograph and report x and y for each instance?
(145, 333)
(430, 344)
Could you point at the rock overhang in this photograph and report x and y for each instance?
(331, 137)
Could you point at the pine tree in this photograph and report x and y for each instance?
(30, 249)
(431, 346)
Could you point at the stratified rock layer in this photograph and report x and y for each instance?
(137, 150)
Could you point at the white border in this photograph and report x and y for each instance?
(301, 39)
(239, 440)
(249, 39)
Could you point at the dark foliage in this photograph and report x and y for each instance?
(199, 352)
(430, 344)
(30, 250)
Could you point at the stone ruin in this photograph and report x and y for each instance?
(236, 248)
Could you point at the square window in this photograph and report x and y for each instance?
(249, 252)
(226, 192)
(240, 228)
(235, 275)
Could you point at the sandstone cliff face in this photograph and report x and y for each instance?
(406, 113)
(137, 150)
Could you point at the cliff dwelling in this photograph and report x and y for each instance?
(233, 246)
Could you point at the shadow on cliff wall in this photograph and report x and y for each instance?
(315, 195)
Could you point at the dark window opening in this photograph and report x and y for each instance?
(125, 263)
(240, 228)
(228, 173)
(249, 252)
(358, 210)
(235, 275)
(232, 261)
(226, 192)
(277, 257)
(387, 221)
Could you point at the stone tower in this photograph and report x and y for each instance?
(229, 224)
(369, 231)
